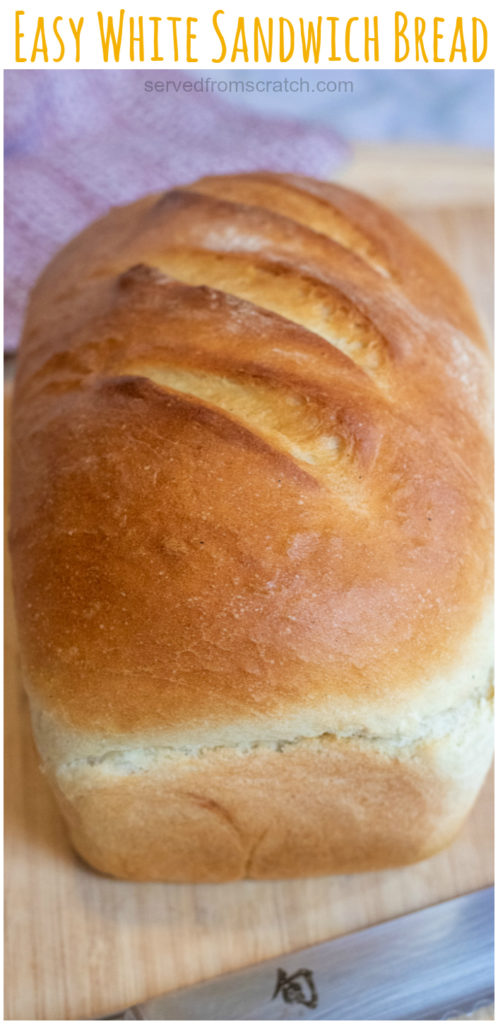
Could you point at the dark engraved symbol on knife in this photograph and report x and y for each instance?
(297, 988)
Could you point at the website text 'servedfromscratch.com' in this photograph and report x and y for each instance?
(259, 85)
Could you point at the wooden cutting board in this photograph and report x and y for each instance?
(79, 945)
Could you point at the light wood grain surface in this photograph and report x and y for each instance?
(422, 175)
(79, 945)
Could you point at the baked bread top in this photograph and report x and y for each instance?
(252, 473)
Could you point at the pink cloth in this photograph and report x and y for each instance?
(77, 142)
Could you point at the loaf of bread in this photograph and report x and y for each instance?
(251, 535)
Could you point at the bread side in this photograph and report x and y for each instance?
(276, 810)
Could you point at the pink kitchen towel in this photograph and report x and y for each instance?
(77, 142)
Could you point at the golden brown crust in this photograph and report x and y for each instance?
(251, 472)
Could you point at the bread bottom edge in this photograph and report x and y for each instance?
(315, 808)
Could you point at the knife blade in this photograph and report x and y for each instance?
(432, 964)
